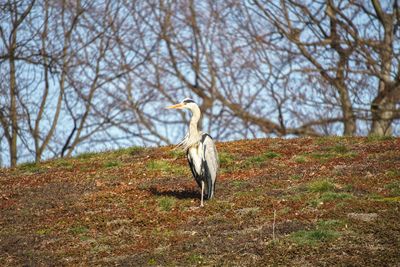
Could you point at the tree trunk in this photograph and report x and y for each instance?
(382, 108)
(13, 105)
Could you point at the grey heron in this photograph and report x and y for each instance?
(200, 150)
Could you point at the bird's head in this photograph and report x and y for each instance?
(186, 103)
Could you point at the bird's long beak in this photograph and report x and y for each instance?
(177, 106)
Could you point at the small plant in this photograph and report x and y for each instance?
(324, 232)
(112, 164)
(80, 229)
(177, 153)
(394, 188)
(340, 149)
(239, 183)
(166, 203)
(44, 231)
(30, 167)
(378, 138)
(295, 177)
(271, 155)
(320, 186)
(152, 261)
(258, 160)
(312, 237)
(226, 158)
(393, 173)
(329, 196)
(64, 163)
(300, 159)
(165, 166)
(87, 155)
(196, 259)
(135, 150)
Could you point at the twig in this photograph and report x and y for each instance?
(273, 226)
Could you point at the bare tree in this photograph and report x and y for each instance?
(344, 44)
(17, 12)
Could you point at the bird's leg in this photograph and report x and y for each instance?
(202, 193)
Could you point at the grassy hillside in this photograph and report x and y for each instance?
(298, 202)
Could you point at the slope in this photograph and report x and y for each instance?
(295, 202)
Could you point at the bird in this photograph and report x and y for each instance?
(201, 151)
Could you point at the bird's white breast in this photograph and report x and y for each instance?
(195, 154)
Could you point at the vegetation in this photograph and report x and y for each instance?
(140, 207)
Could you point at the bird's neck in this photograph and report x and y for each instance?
(194, 121)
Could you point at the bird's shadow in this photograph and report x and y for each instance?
(179, 194)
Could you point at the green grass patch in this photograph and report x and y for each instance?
(300, 159)
(320, 186)
(165, 166)
(328, 139)
(271, 155)
(394, 188)
(339, 148)
(112, 164)
(239, 183)
(87, 155)
(325, 231)
(295, 177)
(166, 203)
(329, 196)
(30, 167)
(78, 230)
(389, 199)
(196, 259)
(312, 237)
(64, 163)
(332, 152)
(177, 153)
(393, 173)
(256, 161)
(44, 231)
(325, 193)
(128, 151)
(152, 262)
(227, 162)
(226, 158)
(378, 138)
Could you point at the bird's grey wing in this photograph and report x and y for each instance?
(210, 161)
